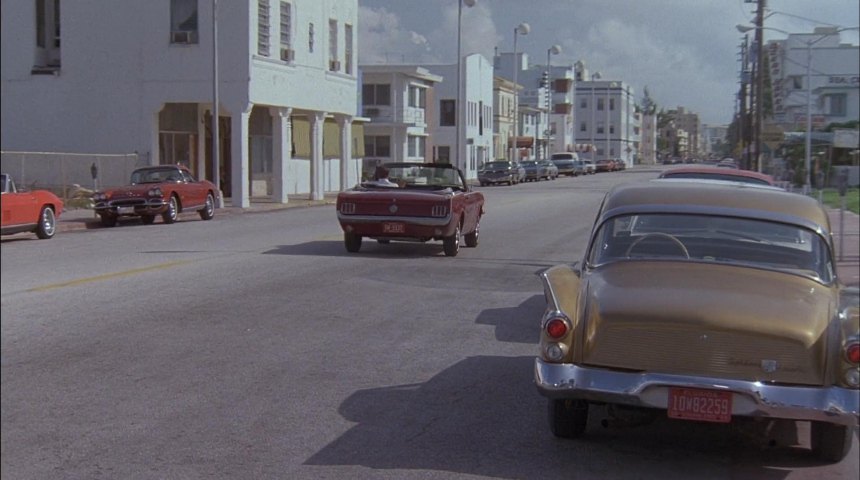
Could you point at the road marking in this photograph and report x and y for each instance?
(107, 276)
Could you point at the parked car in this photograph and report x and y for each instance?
(751, 319)
(430, 202)
(580, 168)
(566, 163)
(604, 165)
(620, 164)
(499, 172)
(589, 167)
(165, 190)
(521, 172)
(551, 171)
(534, 171)
(34, 211)
(714, 173)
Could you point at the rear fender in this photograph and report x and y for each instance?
(562, 292)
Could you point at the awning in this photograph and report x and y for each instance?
(301, 137)
(331, 139)
(522, 142)
(357, 140)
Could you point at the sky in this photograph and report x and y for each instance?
(685, 52)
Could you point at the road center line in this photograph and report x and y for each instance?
(106, 276)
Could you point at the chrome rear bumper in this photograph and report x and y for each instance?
(751, 399)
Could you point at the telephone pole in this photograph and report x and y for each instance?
(759, 89)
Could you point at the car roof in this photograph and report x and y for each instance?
(717, 171)
(682, 195)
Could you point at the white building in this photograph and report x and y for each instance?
(399, 100)
(607, 119)
(833, 69)
(101, 76)
(475, 137)
(648, 140)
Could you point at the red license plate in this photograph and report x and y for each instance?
(701, 405)
(393, 228)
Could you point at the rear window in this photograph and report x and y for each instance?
(562, 156)
(713, 239)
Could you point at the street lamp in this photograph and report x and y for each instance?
(522, 29)
(460, 126)
(807, 160)
(553, 50)
(594, 76)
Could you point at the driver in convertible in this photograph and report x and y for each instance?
(380, 178)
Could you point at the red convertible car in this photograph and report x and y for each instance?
(36, 211)
(165, 190)
(418, 202)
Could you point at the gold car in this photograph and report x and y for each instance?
(704, 301)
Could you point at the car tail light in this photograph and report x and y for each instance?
(852, 352)
(556, 327)
(347, 208)
(439, 210)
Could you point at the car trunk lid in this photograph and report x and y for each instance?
(397, 202)
(708, 320)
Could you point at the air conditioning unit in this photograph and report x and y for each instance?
(371, 112)
(334, 65)
(288, 54)
(183, 37)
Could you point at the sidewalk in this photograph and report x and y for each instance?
(846, 240)
(84, 219)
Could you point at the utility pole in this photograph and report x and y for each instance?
(759, 89)
(742, 103)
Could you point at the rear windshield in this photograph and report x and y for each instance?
(713, 239)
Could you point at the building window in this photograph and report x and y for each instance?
(333, 63)
(600, 127)
(838, 104)
(376, 94)
(443, 154)
(611, 128)
(311, 37)
(417, 146)
(582, 127)
(417, 97)
(347, 49)
(287, 53)
(377, 146)
(447, 113)
(583, 103)
(600, 104)
(48, 33)
(183, 21)
(612, 104)
(796, 82)
(263, 27)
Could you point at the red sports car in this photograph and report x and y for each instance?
(24, 211)
(418, 202)
(165, 190)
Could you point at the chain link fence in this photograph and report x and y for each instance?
(71, 176)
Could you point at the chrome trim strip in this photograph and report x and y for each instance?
(423, 221)
(753, 399)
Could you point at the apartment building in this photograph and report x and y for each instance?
(608, 120)
(505, 140)
(463, 134)
(692, 127)
(820, 64)
(101, 76)
(400, 101)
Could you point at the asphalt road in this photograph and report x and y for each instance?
(254, 346)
